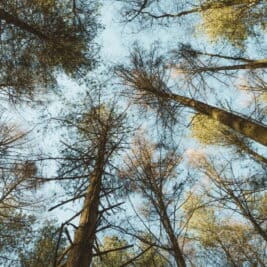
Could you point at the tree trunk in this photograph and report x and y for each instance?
(256, 64)
(175, 245)
(254, 154)
(81, 253)
(245, 126)
(235, 58)
(178, 255)
(10, 19)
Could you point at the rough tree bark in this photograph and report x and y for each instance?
(255, 64)
(81, 253)
(245, 126)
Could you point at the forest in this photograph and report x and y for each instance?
(133, 133)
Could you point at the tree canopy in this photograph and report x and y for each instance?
(133, 133)
(41, 38)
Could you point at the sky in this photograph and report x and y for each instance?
(116, 40)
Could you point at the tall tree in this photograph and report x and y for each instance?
(146, 77)
(41, 38)
(97, 134)
(234, 20)
(153, 176)
(18, 181)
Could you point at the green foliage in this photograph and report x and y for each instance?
(115, 258)
(209, 131)
(232, 20)
(151, 257)
(15, 233)
(213, 231)
(43, 247)
(201, 219)
(41, 38)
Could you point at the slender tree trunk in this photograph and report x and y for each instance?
(13, 20)
(178, 254)
(245, 126)
(81, 253)
(254, 154)
(256, 64)
(223, 56)
(257, 227)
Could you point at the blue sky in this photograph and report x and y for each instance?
(116, 40)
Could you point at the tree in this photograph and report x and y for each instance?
(215, 133)
(40, 39)
(153, 177)
(113, 253)
(15, 233)
(18, 178)
(241, 192)
(116, 252)
(228, 240)
(97, 133)
(233, 21)
(44, 244)
(147, 76)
